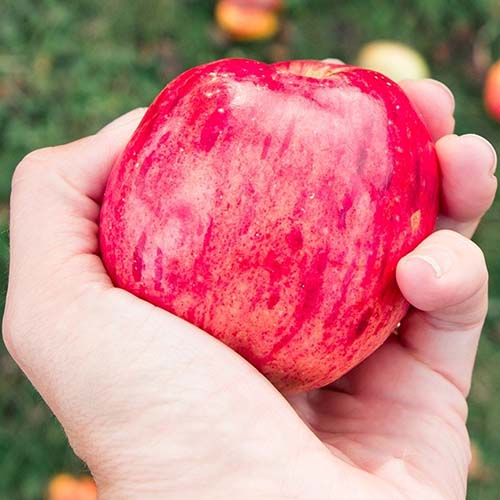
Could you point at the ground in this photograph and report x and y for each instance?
(66, 68)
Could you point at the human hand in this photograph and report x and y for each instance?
(157, 408)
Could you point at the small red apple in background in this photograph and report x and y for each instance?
(248, 20)
(394, 59)
(492, 91)
(269, 205)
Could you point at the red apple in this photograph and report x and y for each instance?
(492, 91)
(269, 205)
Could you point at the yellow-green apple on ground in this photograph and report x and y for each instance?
(394, 59)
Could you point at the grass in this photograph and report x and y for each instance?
(66, 68)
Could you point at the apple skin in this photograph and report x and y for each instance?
(269, 205)
(492, 91)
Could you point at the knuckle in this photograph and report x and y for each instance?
(19, 332)
(465, 246)
(477, 270)
(488, 195)
(9, 332)
(32, 165)
(477, 254)
(39, 155)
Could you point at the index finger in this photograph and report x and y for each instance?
(54, 204)
(85, 163)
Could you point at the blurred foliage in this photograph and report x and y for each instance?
(66, 68)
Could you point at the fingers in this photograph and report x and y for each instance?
(468, 184)
(461, 158)
(435, 103)
(445, 279)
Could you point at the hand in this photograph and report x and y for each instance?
(157, 408)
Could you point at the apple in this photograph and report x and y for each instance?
(492, 91)
(394, 59)
(68, 487)
(262, 4)
(269, 206)
(247, 20)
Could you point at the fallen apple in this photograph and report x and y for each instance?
(247, 20)
(269, 205)
(394, 59)
(492, 91)
(68, 487)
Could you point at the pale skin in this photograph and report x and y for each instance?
(159, 409)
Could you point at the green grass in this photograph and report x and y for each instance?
(66, 68)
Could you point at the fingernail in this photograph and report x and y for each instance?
(446, 90)
(439, 258)
(123, 120)
(493, 154)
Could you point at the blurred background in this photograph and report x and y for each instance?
(67, 68)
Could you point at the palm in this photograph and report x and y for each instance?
(385, 420)
(381, 424)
